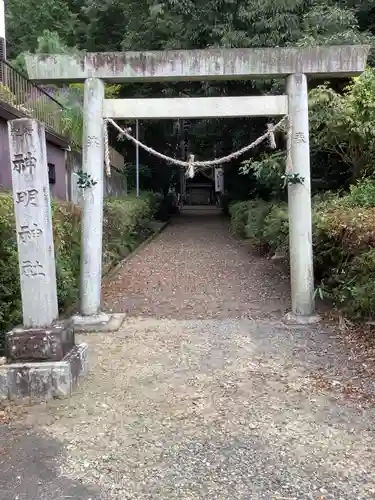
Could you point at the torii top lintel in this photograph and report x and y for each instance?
(211, 64)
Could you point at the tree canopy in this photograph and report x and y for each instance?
(71, 25)
(156, 24)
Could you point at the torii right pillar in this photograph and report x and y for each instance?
(299, 205)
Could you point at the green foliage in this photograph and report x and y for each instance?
(71, 98)
(239, 213)
(329, 24)
(70, 122)
(84, 25)
(249, 23)
(7, 95)
(363, 194)
(10, 301)
(343, 124)
(268, 170)
(258, 210)
(264, 222)
(67, 240)
(355, 286)
(343, 239)
(85, 180)
(341, 128)
(127, 222)
(154, 201)
(289, 179)
(145, 174)
(276, 228)
(27, 20)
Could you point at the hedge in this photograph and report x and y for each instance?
(343, 240)
(126, 223)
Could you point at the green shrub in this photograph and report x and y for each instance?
(10, 297)
(352, 228)
(257, 212)
(328, 256)
(67, 239)
(264, 222)
(354, 290)
(155, 200)
(239, 216)
(343, 240)
(344, 255)
(276, 228)
(363, 194)
(127, 222)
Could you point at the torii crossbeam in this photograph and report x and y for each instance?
(211, 64)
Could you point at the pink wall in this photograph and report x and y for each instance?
(55, 155)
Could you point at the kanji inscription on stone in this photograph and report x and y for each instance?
(20, 130)
(27, 197)
(32, 269)
(32, 204)
(299, 137)
(93, 141)
(29, 233)
(24, 163)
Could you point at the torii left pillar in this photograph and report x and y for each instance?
(91, 317)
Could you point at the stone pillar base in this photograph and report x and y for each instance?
(40, 344)
(279, 256)
(296, 319)
(99, 323)
(41, 381)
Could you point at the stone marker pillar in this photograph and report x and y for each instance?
(92, 216)
(299, 201)
(32, 205)
(42, 358)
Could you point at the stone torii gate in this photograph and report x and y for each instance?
(294, 64)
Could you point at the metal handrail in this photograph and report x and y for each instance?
(29, 99)
(32, 83)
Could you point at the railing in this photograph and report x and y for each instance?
(29, 99)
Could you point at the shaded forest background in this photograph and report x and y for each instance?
(54, 26)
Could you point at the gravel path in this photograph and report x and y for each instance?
(222, 408)
(196, 269)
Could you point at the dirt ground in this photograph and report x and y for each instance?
(203, 394)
